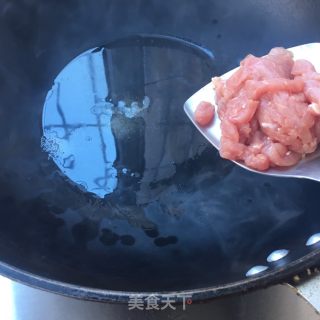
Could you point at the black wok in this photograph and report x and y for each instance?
(98, 203)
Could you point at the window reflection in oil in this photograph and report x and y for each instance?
(97, 122)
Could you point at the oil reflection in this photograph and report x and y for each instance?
(77, 123)
(103, 130)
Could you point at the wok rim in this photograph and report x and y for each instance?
(272, 277)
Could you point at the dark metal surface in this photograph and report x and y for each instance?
(19, 302)
(138, 202)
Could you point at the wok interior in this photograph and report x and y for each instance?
(178, 216)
